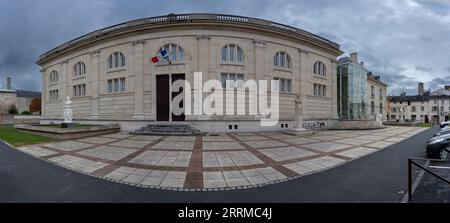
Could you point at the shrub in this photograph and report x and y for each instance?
(35, 105)
(25, 113)
(13, 110)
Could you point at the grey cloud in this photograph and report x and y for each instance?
(402, 43)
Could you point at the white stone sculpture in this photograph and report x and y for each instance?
(68, 111)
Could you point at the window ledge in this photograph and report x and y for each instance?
(168, 64)
(232, 64)
(80, 97)
(320, 76)
(53, 84)
(283, 69)
(116, 70)
(79, 77)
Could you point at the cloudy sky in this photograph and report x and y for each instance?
(404, 41)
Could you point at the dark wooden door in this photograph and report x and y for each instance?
(178, 118)
(162, 98)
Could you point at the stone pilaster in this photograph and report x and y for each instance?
(260, 47)
(63, 80)
(138, 71)
(94, 74)
(302, 90)
(44, 91)
(334, 92)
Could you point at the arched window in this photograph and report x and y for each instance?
(282, 60)
(319, 68)
(175, 53)
(116, 60)
(79, 69)
(232, 53)
(53, 77)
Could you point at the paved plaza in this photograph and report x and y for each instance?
(219, 162)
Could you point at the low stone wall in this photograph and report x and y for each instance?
(6, 119)
(27, 119)
(68, 133)
(358, 125)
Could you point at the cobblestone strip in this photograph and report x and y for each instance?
(194, 176)
(267, 160)
(122, 162)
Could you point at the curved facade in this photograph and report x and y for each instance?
(110, 77)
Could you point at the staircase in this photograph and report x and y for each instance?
(168, 129)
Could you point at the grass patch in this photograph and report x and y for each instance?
(10, 135)
(424, 125)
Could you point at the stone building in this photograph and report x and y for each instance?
(20, 98)
(425, 106)
(110, 79)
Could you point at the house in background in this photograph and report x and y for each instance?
(20, 98)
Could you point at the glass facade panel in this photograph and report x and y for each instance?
(352, 92)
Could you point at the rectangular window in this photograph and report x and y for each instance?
(434, 108)
(53, 94)
(116, 85)
(422, 108)
(315, 90)
(413, 109)
(79, 90)
(231, 80)
(320, 90)
(372, 91)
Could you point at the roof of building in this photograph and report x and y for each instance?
(425, 97)
(186, 19)
(376, 79)
(28, 94)
(7, 91)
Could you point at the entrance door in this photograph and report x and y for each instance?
(178, 118)
(162, 98)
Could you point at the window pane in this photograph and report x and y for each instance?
(224, 53)
(282, 85)
(181, 54)
(239, 55)
(116, 85)
(174, 53)
(122, 87)
(289, 86)
(275, 60)
(223, 79)
(276, 84)
(232, 52)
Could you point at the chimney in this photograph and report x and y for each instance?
(8, 83)
(354, 57)
(362, 63)
(420, 89)
(447, 87)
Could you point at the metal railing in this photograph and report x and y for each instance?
(413, 161)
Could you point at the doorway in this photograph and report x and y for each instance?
(164, 97)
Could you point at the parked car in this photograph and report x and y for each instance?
(441, 132)
(437, 147)
(444, 124)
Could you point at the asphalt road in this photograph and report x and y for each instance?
(380, 177)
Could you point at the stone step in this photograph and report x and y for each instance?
(167, 129)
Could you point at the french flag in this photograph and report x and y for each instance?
(162, 56)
